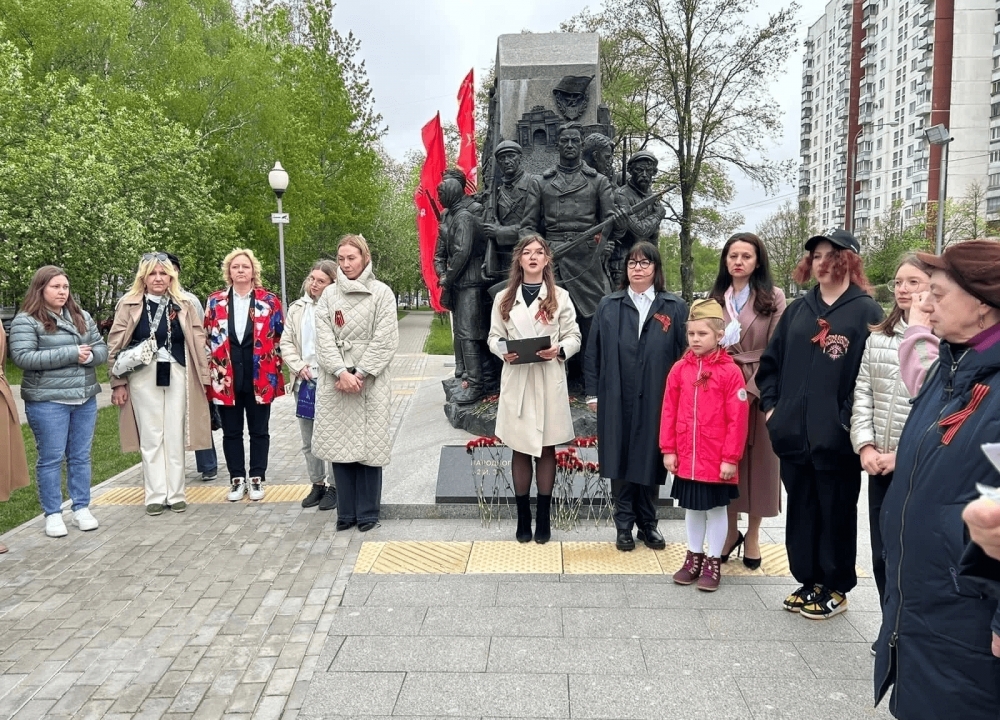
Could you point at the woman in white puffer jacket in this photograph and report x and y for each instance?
(881, 400)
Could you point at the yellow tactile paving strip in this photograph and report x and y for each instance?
(569, 558)
(204, 495)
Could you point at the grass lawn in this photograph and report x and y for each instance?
(400, 314)
(439, 341)
(14, 374)
(107, 460)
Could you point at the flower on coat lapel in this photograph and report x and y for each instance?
(663, 320)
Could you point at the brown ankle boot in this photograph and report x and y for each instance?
(691, 569)
(711, 575)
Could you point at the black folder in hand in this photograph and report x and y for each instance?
(527, 348)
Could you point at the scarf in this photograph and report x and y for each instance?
(735, 302)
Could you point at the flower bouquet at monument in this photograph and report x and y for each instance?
(596, 492)
(491, 477)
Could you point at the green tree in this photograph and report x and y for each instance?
(784, 234)
(888, 239)
(706, 263)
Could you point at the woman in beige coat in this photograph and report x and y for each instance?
(534, 414)
(13, 464)
(154, 397)
(751, 307)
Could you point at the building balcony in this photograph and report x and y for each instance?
(805, 146)
(845, 40)
(926, 19)
(840, 183)
(923, 107)
(807, 80)
(807, 113)
(863, 175)
(921, 155)
(925, 63)
(847, 5)
(867, 117)
(807, 127)
(919, 176)
(868, 61)
(869, 41)
(845, 21)
(925, 41)
(861, 213)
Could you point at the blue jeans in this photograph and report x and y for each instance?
(62, 432)
(206, 460)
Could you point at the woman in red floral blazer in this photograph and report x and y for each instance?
(244, 324)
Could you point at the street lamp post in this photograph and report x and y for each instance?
(939, 135)
(278, 180)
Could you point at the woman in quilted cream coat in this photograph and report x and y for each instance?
(882, 402)
(356, 338)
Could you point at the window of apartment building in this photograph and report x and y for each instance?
(995, 109)
(994, 156)
(826, 136)
(993, 205)
(883, 46)
(913, 108)
(881, 65)
(878, 202)
(878, 183)
(995, 133)
(908, 213)
(881, 84)
(897, 158)
(885, 23)
(878, 144)
(897, 138)
(878, 163)
(996, 86)
(909, 194)
(994, 180)
(909, 172)
(826, 153)
(909, 151)
(826, 169)
(825, 218)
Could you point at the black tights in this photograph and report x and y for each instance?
(545, 471)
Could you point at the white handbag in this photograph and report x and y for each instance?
(140, 355)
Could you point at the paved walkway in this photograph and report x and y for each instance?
(252, 610)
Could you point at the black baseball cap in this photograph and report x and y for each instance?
(838, 237)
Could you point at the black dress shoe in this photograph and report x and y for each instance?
(736, 548)
(624, 541)
(343, 525)
(652, 538)
(751, 563)
(316, 494)
(365, 527)
(329, 499)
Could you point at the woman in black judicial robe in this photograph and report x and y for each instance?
(637, 335)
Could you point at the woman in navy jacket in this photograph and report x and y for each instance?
(940, 632)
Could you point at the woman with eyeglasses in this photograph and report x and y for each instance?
(637, 335)
(164, 405)
(752, 307)
(881, 400)
(244, 323)
(298, 350)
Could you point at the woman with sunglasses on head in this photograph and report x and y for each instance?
(58, 347)
(637, 336)
(164, 406)
(881, 400)
(244, 323)
(752, 307)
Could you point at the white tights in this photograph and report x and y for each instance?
(714, 522)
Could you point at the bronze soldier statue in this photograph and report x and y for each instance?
(458, 262)
(598, 152)
(504, 210)
(642, 224)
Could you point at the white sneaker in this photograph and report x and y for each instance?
(239, 489)
(256, 489)
(83, 519)
(54, 525)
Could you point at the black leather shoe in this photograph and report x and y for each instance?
(315, 495)
(652, 538)
(624, 542)
(329, 499)
(365, 527)
(343, 525)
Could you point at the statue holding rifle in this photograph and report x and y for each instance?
(641, 222)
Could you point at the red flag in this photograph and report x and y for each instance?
(428, 205)
(467, 132)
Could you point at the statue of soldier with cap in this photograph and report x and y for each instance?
(504, 210)
(641, 224)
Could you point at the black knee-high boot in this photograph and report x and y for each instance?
(523, 533)
(542, 530)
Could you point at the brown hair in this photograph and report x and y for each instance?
(549, 305)
(888, 325)
(34, 301)
(760, 280)
(842, 263)
(327, 267)
(359, 243)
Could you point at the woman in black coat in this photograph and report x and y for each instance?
(940, 634)
(636, 336)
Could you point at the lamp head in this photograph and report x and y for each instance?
(278, 179)
(937, 135)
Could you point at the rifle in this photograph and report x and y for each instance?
(587, 235)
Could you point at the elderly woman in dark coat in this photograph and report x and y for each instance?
(939, 642)
(637, 335)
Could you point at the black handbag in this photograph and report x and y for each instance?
(306, 406)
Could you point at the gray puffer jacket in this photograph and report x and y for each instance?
(881, 400)
(50, 361)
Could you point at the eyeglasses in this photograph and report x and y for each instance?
(641, 264)
(911, 286)
(162, 257)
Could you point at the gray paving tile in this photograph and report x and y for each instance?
(656, 696)
(566, 655)
(868, 624)
(832, 660)
(412, 654)
(493, 621)
(489, 694)
(634, 623)
(352, 694)
(402, 593)
(723, 658)
(377, 620)
(671, 595)
(772, 698)
(777, 625)
(587, 595)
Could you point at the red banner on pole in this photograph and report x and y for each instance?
(428, 205)
(467, 132)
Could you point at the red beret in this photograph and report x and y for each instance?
(974, 265)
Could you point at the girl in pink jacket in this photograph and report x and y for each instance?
(703, 432)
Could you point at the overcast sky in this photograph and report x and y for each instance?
(418, 51)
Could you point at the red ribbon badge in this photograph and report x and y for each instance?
(702, 379)
(824, 330)
(664, 320)
(954, 421)
(542, 317)
(338, 318)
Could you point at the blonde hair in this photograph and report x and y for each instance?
(717, 324)
(254, 263)
(359, 242)
(327, 267)
(138, 288)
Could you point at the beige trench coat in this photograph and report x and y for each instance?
(199, 423)
(13, 465)
(759, 471)
(534, 402)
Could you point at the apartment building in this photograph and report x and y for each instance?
(875, 74)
